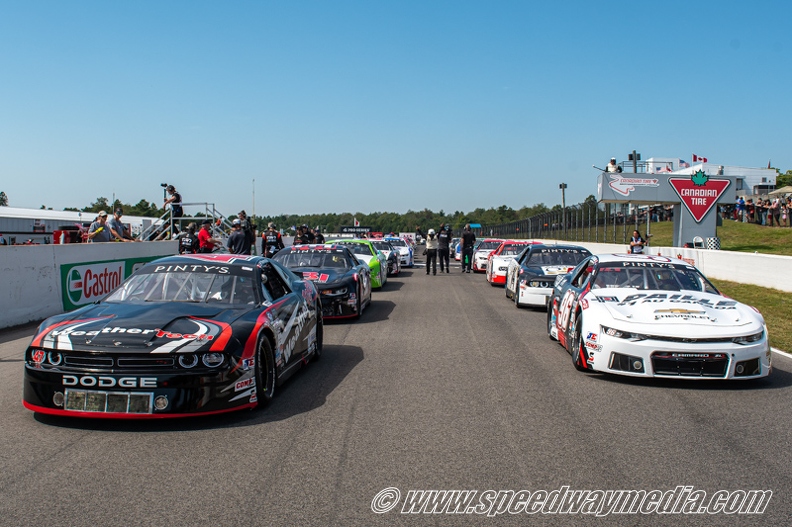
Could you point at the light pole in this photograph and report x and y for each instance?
(563, 187)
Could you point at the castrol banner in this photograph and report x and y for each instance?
(86, 283)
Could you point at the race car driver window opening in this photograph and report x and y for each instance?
(582, 277)
(273, 282)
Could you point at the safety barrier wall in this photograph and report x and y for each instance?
(32, 286)
(765, 270)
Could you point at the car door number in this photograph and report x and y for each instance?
(566, 309)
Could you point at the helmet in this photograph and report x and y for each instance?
(270, 225)
(431, 231)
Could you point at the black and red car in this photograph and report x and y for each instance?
(184, 335)
(343, 281)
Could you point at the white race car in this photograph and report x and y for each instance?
(499, 260)
(405, 250)
(481, 253)
(652, 316)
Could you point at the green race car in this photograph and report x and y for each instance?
(365, 251)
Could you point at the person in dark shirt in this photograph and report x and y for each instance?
(271, 241)
(175, 201)
(307, 234)
(443, 242)
(247, 229)
(467, 241)
(237, 242)
(188, 240)
(318, 236)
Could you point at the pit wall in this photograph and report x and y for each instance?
(765, 270)
(38, 281)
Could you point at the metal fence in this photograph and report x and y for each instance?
(588, 221)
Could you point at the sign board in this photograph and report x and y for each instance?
(88, 282)
(694, 196)
(355, 230)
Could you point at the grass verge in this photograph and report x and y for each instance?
(774, 305)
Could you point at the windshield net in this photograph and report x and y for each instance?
(296, 259)
(556, 257)
(186, 287)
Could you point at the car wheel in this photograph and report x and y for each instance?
(266, 374)
(319, 336)
(359, 305)
(551, 329)
(577, 346)
(516, 296)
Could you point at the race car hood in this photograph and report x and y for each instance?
(144, 328)
(552, 270)
(704, 313)
(318, 275)
(365, 258)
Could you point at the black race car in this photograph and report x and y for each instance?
(531, 276)
(184, 335)
(344, 282)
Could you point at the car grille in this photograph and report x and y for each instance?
(116, 402)
(690, 364)
(99, 362)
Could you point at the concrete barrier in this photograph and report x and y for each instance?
(766, 270)
(32, 282)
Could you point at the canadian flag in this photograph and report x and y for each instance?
(699, 159)
(356, 222)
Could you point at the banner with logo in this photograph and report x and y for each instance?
(87, 282)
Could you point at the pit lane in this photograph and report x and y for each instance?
(443, 384)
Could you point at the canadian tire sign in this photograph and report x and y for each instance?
(86, 283)
(699, 192)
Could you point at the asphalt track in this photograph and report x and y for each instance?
(443, 384)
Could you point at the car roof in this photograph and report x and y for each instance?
(612, 257)
(538, 246)
(224, 258)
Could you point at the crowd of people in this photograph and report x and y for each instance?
(772, 213)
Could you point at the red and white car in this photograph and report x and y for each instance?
(482, 251)
(498, 261)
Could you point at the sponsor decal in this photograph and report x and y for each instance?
(89, 283)
(625, 185)
(592, 337)
(607, 299)
(189, 336)
(242, 385)
(699, 192)
(105, 381)
(248, 364)
(677, 298)
(584, 304)
(593, 346)
(192, 268)
(316, 277)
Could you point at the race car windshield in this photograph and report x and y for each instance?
(666, 278)
(383, 246)
(297, 259)
(511, 250)
(186, 287)
(488, 246)
(398, 243)
(359, 248)
(556, 258)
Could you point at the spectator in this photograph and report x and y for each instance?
(612, 166)
(175, 201)
(431, 252)
(775, 212)
(188, 240)
(206, 243)
(237, 242)
(307, 234)
(467, 241)
(443, 242)
(637, 243)
(271, 241)
(247, 230)
(98, 231)
(118, 230)
(740, 208)
(2, 240)
(318, 236)
(750, 210)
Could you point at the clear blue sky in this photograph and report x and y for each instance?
(336, 106)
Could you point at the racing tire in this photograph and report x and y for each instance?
(319, 336)
(550, 321)
(359, 305)
(266, 373)
(516, 297)
(577, 346)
